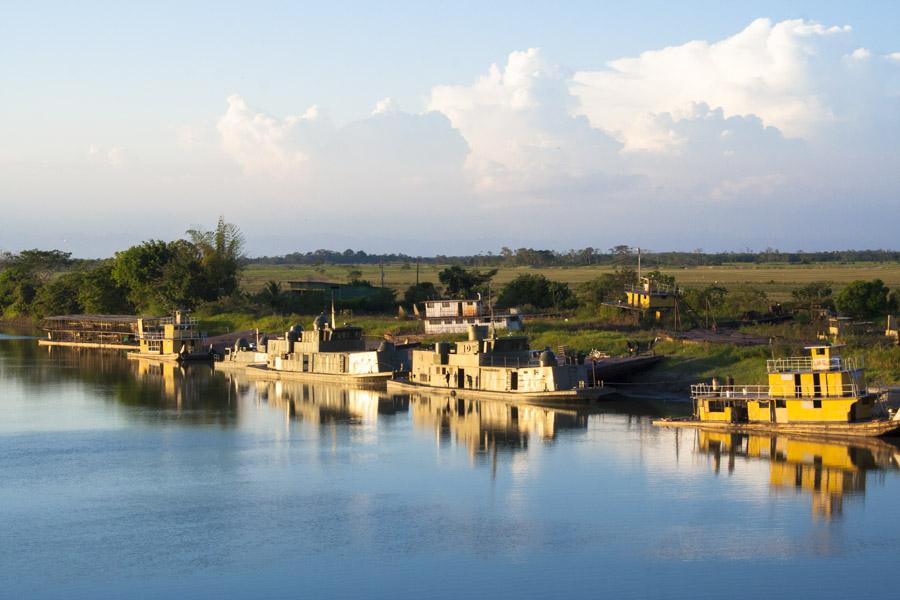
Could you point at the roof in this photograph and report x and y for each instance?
(98, 318)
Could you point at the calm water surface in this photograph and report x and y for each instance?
(122, 478)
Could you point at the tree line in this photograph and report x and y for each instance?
(617, 255)
(151, 277)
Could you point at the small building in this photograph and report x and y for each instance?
(325, 289)
(455, 316)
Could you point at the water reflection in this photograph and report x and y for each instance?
(192, 392)
(826, 469)
(317, 403)
(155, 391)
(484, 426)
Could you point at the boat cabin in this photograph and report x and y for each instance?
(167, 336)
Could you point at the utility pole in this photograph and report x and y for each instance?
(418, 258)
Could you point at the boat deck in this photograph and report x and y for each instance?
(874, 428)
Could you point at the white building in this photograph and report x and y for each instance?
(455, 316)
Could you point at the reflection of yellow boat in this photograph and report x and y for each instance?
(827, 469)
(822, 394)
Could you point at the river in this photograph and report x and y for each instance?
(129, 479)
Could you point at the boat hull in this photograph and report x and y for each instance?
(562, 397)
(874, 428)
(263, 372)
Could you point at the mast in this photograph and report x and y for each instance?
(333, 318)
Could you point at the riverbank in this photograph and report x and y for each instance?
(685, 362)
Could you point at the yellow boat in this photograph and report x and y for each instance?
(819, 394)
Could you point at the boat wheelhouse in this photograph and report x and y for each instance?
(171, 338)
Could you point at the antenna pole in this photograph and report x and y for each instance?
(639, 265)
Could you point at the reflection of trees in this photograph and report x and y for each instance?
(319, 403)
(192, 395)
(485, 426)
(826, 469)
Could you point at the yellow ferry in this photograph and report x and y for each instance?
(822, 394)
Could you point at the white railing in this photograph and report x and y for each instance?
(179, 335)
(807, 363)
(654, 288)
(765, 392)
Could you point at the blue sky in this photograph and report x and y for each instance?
(116, 118)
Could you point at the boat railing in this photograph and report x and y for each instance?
(651, 289)
(182, 335)
(765, 392)
(490, 360)
(807, 363)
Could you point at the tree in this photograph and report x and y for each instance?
(465, 283)
(58, 297)
(817, 293)
(420, 293)
(41, 263)
(272, 296)
(139, 269)
(537, 291)
(865, 299)
(608, 287)
(164, 276)
(100, 293)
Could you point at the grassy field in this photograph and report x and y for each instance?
(777, 280)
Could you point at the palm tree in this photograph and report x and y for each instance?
(271, 295)
(223, 251)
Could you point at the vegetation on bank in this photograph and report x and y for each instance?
(567, 304)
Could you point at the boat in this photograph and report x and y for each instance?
(488, 366)
(323, 353)
(175, 338)
(819, 394)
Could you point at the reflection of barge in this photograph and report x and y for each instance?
(822, 394)
(501, 368)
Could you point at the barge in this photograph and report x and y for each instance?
(503, 368)
(324, 353)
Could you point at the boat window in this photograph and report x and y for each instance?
(780, 404)
(715, 406)
(817, 404)
(764, 404)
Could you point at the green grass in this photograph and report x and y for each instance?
(777, 280)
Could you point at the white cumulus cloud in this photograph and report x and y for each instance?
(784, 73)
